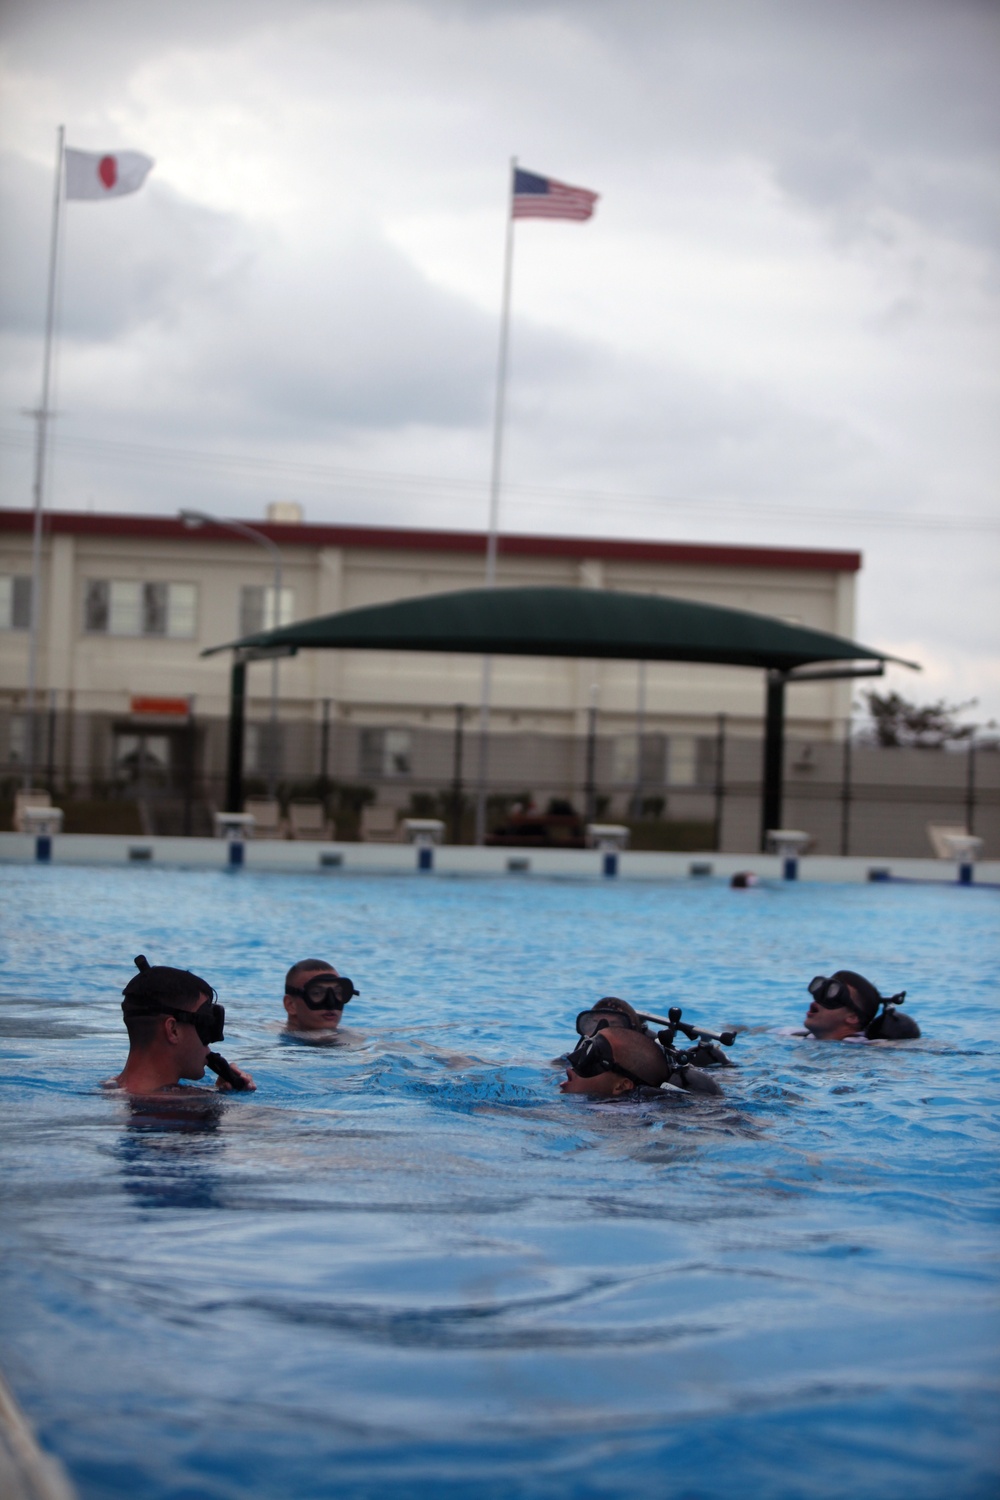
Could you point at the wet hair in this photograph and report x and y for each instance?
(161, 985)
(622, 1007)
(306, 966)
(868, 1001)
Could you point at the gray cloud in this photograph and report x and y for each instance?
(124, 263)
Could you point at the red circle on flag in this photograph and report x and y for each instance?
(107, 171)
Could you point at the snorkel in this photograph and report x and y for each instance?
(224, 1070)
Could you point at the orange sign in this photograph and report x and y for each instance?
(164, 707)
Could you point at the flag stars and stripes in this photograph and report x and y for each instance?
(537, 197)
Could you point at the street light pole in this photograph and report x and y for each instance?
(195, 518)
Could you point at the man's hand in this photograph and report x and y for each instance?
(246, 1082)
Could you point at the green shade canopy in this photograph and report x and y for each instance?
(576, 622)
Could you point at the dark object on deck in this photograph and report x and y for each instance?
(533, 830)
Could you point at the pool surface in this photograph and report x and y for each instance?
(406, 1266)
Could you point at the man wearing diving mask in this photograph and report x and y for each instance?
(846, 1008)
(612, 1031)
(612, 1062)
(315, 996)
(172, 1019)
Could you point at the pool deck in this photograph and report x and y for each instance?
(330, 859)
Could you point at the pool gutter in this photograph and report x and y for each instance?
(301, 857)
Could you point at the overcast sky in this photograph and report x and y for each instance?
(782, 324)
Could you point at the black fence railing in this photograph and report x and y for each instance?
(121, 773)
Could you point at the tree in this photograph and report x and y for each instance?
(896, 721)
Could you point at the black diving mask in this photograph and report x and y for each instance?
(592, 1056)
(832, 994)
(589, 1022)
(208, 1020)
(325, 991)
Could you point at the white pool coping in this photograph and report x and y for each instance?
(330, 859)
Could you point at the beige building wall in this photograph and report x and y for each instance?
(332, 568)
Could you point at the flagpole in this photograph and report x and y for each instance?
(494, 516)
(41, 417)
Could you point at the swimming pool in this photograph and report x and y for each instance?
(406, 1266)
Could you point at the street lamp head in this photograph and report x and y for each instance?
(192, 518)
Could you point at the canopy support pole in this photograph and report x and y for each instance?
(774, 754)
(774, 730)
(456, 775)
(590, 781)
(720, 779)
(237, 714)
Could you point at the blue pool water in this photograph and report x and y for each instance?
(408, 1267)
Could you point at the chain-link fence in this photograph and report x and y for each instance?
(127, 773)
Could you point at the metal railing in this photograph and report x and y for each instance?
(117, 772)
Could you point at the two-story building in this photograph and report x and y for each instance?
(128, 602)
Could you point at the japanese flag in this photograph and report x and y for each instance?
(89, 174)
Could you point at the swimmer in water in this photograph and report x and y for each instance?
(615, 1061)
(171, 1018)
(846, 1008)
(684, 1069)
(315, 996)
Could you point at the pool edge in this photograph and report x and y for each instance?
(331, 859)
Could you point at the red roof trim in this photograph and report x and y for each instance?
(388, 538)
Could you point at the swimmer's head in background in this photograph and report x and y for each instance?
(161, 991)
(324, 991)
(865, 1000)
(609, 1013)
(855, 993)
(846, 990)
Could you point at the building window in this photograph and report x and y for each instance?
(15, 602)
(17, 740)
(257, 608)
(683, 760)
(120, 607)
(625, 765)
(385, 753)
(142, 760)
(263, 749)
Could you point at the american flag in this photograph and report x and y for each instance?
(543, 198)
